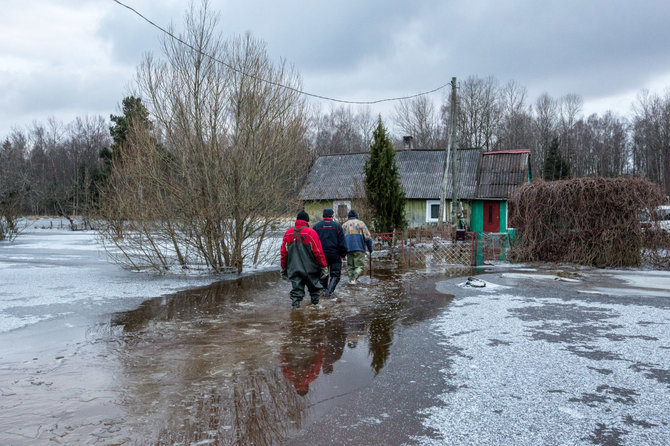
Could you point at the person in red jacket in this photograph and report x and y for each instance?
(302, 260)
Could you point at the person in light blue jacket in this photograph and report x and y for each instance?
(358, 238)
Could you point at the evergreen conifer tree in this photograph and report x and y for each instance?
(554, 166)
(382, 184)
(134, 113)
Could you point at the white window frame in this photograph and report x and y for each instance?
(429, 204)
(336, 205)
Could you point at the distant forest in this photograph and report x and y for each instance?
(54, 168)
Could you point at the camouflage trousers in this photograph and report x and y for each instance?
(355, 264)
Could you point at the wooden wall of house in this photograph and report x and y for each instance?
(415, 213)
(315, 209)
(477, 216)
(467, 209)
(503, 216)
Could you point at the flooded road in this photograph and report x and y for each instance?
(225, 364)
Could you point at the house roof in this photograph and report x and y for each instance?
(340, 177)
(502, 172)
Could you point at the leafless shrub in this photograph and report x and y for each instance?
(223, 164)
(588, 221)
(14, 185)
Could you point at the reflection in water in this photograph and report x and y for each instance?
(303, 354)
(255, 409)
(336, 337)
(231, 364)
(214, 300)
(381, 337)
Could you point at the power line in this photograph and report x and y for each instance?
(343, 101)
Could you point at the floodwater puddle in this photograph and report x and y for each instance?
(226, 364)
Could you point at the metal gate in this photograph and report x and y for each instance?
(493, 247)
(442, 247)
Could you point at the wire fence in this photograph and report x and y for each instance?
(432, 248)
(442, 247)
(389, 248)
(389, 244)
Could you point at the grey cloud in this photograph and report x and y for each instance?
(49, 93)
(131, 37)
(601, 46)
(357, 50)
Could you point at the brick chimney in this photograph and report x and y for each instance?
(407, 142)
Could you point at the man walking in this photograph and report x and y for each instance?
(302, 260)
(334, 248)
(357, 238)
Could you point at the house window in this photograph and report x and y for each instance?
(433, 211)
(341, 208)
(342, 211)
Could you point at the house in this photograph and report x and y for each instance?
(485, 181)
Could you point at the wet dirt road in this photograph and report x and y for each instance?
(229, 364)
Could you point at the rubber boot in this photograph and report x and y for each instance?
(332, 285)
(324, 284)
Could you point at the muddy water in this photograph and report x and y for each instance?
(225, 364)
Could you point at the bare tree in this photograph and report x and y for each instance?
(14, 183)
(570, 108)
(515, 130)
(478, 113)
(651, 137)
(418, 118)
(64, 166)
(224, 161)
(603, 146)
(546, 125)
(342, 131)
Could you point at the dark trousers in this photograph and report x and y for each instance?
(335, 269)
(298, 292)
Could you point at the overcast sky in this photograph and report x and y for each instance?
(68, 58)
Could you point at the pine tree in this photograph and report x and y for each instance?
(382, 184)
(134, 114)
(554, 166)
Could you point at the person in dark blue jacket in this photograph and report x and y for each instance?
(334, 248)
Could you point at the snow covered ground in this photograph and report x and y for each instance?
(50, 274)
(544, 359)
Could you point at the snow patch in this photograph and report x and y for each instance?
(489, 287)
(538, 276)
(489, 400)
(46, 273)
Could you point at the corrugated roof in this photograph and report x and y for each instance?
(502, 172)
(333, 177)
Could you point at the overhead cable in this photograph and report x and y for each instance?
(288, 87)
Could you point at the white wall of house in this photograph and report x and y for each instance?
(341, 208)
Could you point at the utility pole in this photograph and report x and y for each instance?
(454, 154)
(451, 137)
